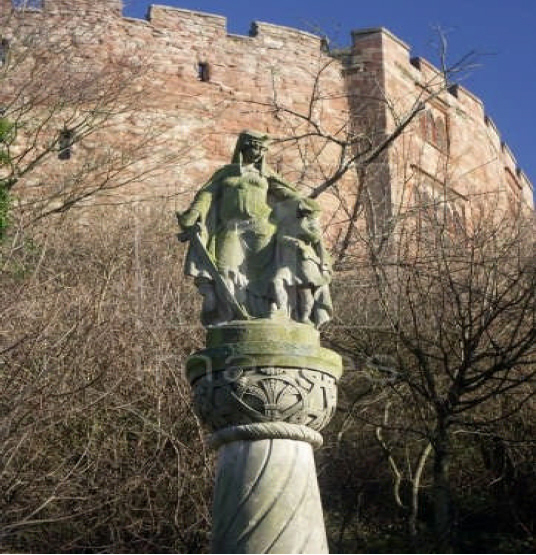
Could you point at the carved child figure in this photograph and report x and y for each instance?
(302, 264)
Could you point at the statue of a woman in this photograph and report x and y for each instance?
(231, 252)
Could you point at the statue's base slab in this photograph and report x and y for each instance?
(263, 343)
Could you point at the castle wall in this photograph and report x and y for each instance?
(196, 86)
(197, 121)
(245, 73)
(469, 157)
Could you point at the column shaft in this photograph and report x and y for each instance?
(266, 499)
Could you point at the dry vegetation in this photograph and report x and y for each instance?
(437, 409)
(100, 450)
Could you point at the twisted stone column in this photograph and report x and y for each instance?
(265, 388)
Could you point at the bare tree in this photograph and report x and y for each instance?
(99, 445)
(442, 302)
(344, 155)
(70, 116)
(455, 315)
(95, 420)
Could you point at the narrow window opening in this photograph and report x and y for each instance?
(203, 71)
(434, 130)
(27, 4)
(65, 144)
(4, 49)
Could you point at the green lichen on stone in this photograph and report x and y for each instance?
(262, 344)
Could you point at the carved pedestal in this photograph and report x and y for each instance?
(265, 388)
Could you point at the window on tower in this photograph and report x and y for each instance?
(434, 128)
(4, 50)
(203, 71)
(65, 144)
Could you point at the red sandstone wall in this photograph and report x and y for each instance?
(198, 121)
(472, 160)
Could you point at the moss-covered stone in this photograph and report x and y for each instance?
(261, 344)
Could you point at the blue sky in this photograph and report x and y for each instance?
(503, 32)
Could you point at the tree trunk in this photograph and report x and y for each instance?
(441, 491)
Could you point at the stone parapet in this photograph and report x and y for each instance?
(65, 7)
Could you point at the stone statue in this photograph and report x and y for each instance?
(255, 245)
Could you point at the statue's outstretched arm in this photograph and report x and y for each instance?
(198, 210)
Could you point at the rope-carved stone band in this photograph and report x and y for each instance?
(267, 430)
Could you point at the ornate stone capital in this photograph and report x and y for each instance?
(256, 374)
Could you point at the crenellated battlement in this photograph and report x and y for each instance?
(380, 44)
(162, 18)
(405, 75)
(63, 7)
(178, 21)
(269, 31)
